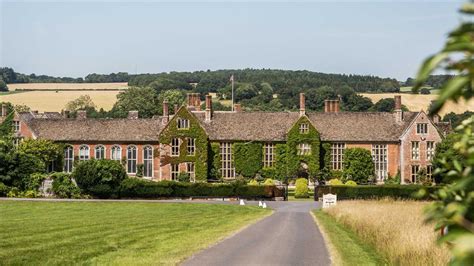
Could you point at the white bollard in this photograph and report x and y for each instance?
(260, 203)
(264, 205)
(242, 203)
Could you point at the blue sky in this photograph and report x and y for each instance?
(384, 38)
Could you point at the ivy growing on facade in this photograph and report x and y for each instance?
(248, 158)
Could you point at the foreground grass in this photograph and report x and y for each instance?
(346, 247)
(395, 228)
(113, 232)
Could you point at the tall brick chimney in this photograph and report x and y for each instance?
(176, 108)
(4, 110)
(331, 106)
(302, 104)
(81, 114)
(166, 113)
(398, 108)
(194, 101)
(208, 115)
(132, 115)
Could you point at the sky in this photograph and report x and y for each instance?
(382, 38)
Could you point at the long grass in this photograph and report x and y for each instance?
(395, 228)
(53, 233)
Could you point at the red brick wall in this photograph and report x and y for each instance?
(411, 135)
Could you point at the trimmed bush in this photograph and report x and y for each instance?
(358, 165)
(335, 182)
(4, 189)
(350, 183)
(64, 187)
(99, 178)
(376, 191)
(301, 190)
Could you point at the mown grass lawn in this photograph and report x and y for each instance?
(114, 232)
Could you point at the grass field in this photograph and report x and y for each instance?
(52, 101)
(395, 228)
(65, 233)
(345, 247)
(68, 86)
(417, 102)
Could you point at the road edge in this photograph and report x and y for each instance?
(334, 256)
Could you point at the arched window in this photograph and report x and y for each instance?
(99, 152)
(131, 159)
(84, 153)
(148, 161)
(116, 153)
(68, 159)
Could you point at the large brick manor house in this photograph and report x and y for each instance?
(185, 141)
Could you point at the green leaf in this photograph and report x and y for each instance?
(451, 88)
(428, 66)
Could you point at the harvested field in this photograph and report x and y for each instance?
(395, 228)
(52, 101)
(68, 86)
(418, 102)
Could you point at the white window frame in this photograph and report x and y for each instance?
(191, 146)
(68, 159)
(380, 158)
(148, 161)
(337, 155)
(227, 160)
(303, 149)
(415, 168)
(191, 170)
(415, 150)
(268, 155)
(132, 158)
(429, 171)
(116, 153)
(84, 152)
(422, 128)
(98, 148)
(430, 150)
(175, 143)
(304, 128)
(16, 126)
(182, 123)
(174, 171)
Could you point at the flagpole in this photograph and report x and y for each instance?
(232, 92)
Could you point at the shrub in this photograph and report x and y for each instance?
(3, 189)
(140, 188)
(184, 177)
(99, 178)
(350, 183)
(13, 193)
(358, 165)
(269, 181)
(35, 180)
(336, 174)
(64, 187)
(335, 182)
(253, 182)
(376, 191)
(301, 190)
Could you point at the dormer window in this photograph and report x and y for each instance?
(183, 123)
(422, 128)
(16, 126)
(304, 128)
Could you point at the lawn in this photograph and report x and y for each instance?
(396, 230)
(122, 233)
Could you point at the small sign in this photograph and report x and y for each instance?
(329, 200)
(46, 188)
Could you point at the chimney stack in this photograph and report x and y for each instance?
(208, 115)
(132, 115)
(436, 118)
(194, 101)
(197, 101)
(331, 106)
(302, 104)
(176, 108)
(237, 108)
(166, 114)
(4, 109)
(81, 114)
(398, 108)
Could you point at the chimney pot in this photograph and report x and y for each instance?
(208, 114)
(166, 114)
(176, 108)
(132, 115)
(398, 108)
(302, 104)
(81, 114)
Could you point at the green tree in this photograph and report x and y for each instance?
(3, 85)
(174, 97)
(21, 108)
(384, 105)
(83, 102)
(45, 150)
(143, 100)
(454, 203)
(358, 165)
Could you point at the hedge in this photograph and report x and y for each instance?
(376, 191)
(140, 188)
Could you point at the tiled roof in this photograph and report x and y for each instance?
(273, 126)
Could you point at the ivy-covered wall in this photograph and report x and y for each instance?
(294, 138)
(201, 142)
(6, 128)
(214, 161)
(248, 158)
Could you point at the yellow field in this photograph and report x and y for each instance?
(418, 102)
(69, 86)
(395, 228)
(52, 101)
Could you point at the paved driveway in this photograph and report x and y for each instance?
(287, 237)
